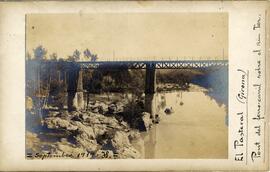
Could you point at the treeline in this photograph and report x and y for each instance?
(48, 82)
(216, 82)
(41, 53)
(114, 80)
(180, 77)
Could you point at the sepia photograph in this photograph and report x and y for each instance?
(126, 85)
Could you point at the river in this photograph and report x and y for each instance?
(196, 129)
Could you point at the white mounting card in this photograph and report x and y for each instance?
(134, 85)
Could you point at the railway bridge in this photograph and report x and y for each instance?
(75, 78)
(75, 90)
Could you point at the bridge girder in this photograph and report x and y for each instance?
(157, 64)
(186, 64)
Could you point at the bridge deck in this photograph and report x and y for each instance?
(184, 64)
(176, 64)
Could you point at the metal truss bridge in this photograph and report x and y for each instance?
(74, 71)
(175, 64)
(184, 64)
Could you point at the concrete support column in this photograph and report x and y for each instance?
(75, 89)
(79, 93)
(150, 104)
(150, 79)
(150, 89)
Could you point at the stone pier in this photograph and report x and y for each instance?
(75, 89)
(150, 89)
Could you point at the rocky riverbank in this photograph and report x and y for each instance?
(96, 133)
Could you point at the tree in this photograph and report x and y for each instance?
(40, 53)
(53, 56)
(28, 56)
(71, 58)
(87, 53)
(94, 57)
(107, 84)
(76, 55)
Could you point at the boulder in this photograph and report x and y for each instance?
(29, 103)
(32, 141)
(64, 114)
(112, 108)
(103, 107)
(95, 109)
(87, 131)
(134, 134)
(124, 124)
(99, 129)
(144, 123)
(156, 120)
(53, 113)
(89, 144)
(92, 120)
(169, 111)
(140, 103)
(128, 152)
(58, 123)
(120, 140)
(70, 149)
(120, 107)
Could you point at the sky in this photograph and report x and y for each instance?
(131, 36)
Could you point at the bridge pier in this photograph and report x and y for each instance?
(150, 89)
(75, 89)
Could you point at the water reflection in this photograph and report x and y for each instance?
(196, 128)
(216, 83)
(193, 123)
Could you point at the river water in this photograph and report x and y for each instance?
(196, 129)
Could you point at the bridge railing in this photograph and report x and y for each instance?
(184, 64)
(156, 64)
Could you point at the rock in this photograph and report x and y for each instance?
(99, 107)
(95, 109)
(73, 114)
(134, 134)
(32, 141)
(156, 119)
(53, 108)
(64, 114)
(138, 144)
(120, 107)
(99, 129)
(85, 116)
(58, 123)
(86, 130)
(128, 152)
(169, 111)
(89, 144)
(77, 118)
(145, 122)
(29, 103)
(91, 121)
(103, 107)
(140, 103)
(146, 117)
(94, 133)
(101, 110)
(70, 149)
(112, 108)
(124, 124)
(120, 140)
